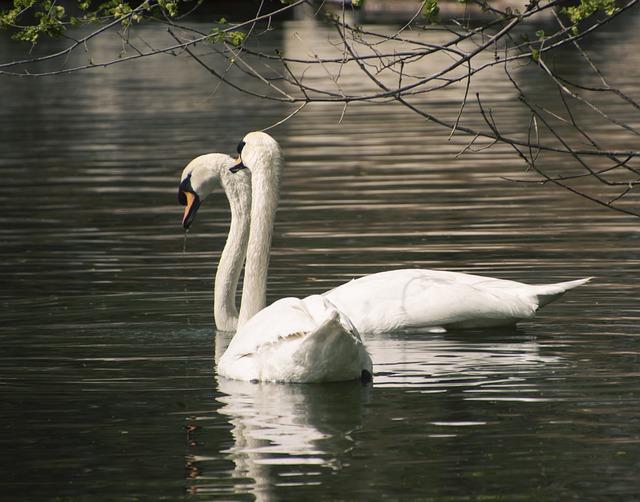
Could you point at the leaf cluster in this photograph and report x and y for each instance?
(44, 18)
(32, 19)
(431, 12)
(586, 8)
(218, 35)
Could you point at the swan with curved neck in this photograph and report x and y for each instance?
(200, 178)
(408, 299)
(291, 340)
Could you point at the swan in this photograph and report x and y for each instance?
(407, 299)
(199, 179)
(292, 340)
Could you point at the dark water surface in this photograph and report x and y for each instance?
(107, 381)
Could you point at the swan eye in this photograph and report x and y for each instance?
(240, 147)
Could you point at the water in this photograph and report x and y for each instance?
(107, 374)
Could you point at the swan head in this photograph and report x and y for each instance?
(257, 150)
(199, 179)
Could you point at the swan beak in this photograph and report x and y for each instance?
(237, 166)
(192, 203)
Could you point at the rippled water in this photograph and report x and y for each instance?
(107, 368)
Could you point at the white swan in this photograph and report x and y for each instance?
(292, 340)
(411, 299)
(200, 178)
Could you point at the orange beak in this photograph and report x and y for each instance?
(191, 207)
(190, 200)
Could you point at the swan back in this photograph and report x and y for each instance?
(296, 341)
(416, 299)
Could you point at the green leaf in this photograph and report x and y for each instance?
(586, 8)
(235, 38)
(431, 12)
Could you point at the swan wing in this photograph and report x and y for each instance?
(295, 340)
(418, 298)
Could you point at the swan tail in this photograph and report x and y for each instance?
(334, 352)
(551, 292)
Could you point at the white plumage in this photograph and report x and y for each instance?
(415, 299)
(318, 338)
(292, 340)
(295, 340)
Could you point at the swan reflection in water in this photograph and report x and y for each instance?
(277, 425)
(289, 434)
(438, 362)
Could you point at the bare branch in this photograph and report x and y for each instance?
(413, 65)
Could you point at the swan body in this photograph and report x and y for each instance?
(414, 299)
(292, 340)
(297, 341)
(418, 299)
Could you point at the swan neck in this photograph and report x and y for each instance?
(265, 174)
(233, 254)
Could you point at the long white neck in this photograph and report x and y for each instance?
(265, 164)
(238, 190)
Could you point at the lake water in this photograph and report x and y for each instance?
(107, 380)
